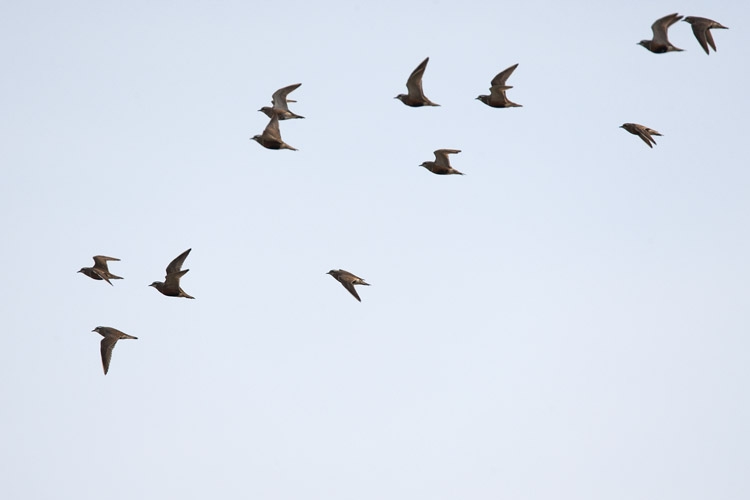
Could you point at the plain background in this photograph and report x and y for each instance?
(568, 320)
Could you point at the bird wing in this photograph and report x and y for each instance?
(660, 27)
(441, 157)
(349, 286)
(709, 39)
(642, 132)
(414, 83)
(501, 77)
(497, 95)
(102, 273)
(108, 344)
(176, 264)
(702, 35)
(172, 280)
(100, 261)
(279, 97)
(272, 129)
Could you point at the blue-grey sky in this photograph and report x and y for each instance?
(568, 320)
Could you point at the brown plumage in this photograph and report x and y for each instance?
(497, 97)
(660, 44)
(416, 98)
(279, 104)
(100, 271)
(701, 27)
(442, 165)
(348, 280)
(111, 336)
(271, 136)
(171, 285)
(641, 131)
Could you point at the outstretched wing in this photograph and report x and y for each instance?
(501, 77)
(176, 264)
(108, 344)
(414, 83)
(441, 156)
(279, 97)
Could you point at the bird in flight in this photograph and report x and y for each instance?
(701, 27)
(497, 97)
(641, 131)
(171, 285)
(348, 280)
(271, 136)
(660, 44)
(442, 164)
(416, 98)
(279, 102)
(100, 271)
(111, 336)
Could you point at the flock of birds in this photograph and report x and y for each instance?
(279, 111)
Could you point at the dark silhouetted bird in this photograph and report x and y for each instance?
(701, 27)
(497, 98)
(100, 271)
(644, 133)
(271, 136)
(280, 107)
(416, 98)
(348, 280)
(171, 285)
(442, 164)
(660, 44)
(111, 336)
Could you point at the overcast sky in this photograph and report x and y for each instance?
(569, 320)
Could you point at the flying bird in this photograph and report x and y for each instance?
(271, 136)
(111, 336)
(280, 106)
(442, 164)
(100, 271)
(644, 133)
(660, 43)
(348, 280)
(416, 98)
(701, 27)
(171, 285)
(497, 98)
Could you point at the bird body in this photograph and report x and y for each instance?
(660, 43)
(348, 280)
(701, 27)
(171, 285)
(641, 131)
(100, 271)
(416, 98)
(111, 336)
(441, 165)
(279, 102)
(271, 136)
(497, 97)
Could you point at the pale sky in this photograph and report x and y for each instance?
(569, 320)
